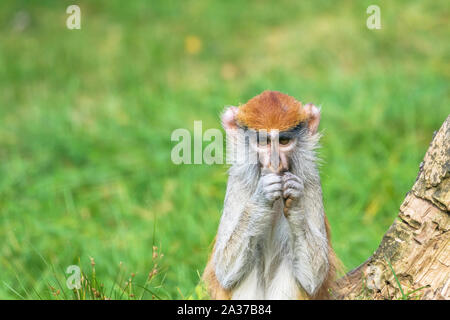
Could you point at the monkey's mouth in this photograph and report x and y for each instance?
(271, 169)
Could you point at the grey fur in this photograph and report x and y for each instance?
(252, 222)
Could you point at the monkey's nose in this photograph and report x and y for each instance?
(277, 165)
(284, 162)
(278, 169)
(275, 162)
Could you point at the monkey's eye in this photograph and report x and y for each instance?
(284, 141)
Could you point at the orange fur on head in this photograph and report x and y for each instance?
(271, 110)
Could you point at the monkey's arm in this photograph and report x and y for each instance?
(242, 224)
(309, 241)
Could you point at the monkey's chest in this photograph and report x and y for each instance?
(272, 275)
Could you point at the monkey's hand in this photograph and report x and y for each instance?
(269, 189)
(292, 190)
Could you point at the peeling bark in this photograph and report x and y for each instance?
(416, 248)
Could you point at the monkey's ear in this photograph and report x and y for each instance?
(313, 116)
(229, 118)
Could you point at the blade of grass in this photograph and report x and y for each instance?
(59, 283)
(404, 297)
(21, 284)
(148, 290)
(414, 291)
(14, 291)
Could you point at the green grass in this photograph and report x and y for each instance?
(86, 118)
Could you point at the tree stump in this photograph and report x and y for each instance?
(413, 259)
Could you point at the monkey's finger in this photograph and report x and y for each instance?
(271, 179)
(273, 187)
(290, 184)
(274, 195)
(290, 193)
(288, 176)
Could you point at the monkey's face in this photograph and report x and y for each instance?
(278, 121)
(274, 149)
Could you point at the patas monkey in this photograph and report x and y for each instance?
(273, 238)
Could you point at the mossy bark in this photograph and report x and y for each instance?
(414, 254)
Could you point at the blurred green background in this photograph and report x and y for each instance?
(86, 118)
